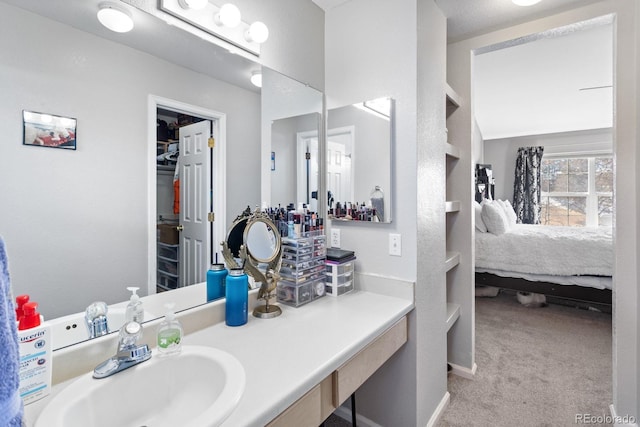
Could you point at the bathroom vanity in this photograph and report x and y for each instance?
(299, 366)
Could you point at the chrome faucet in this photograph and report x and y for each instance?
(96, 318)
(129, 352)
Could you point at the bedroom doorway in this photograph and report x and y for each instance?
(558, 89)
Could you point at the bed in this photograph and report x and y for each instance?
(567, 262)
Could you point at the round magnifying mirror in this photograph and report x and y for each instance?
(235, 237)
(262, 240)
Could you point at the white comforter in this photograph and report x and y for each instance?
(553, 250)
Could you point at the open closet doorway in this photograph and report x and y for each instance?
(187, 204)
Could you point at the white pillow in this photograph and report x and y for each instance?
(480, 225)
(494, 218)
(511, 213)
(508, 212)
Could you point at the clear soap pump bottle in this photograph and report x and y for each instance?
(134, 312)
(169, 333)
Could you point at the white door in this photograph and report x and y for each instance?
(339, 168)
(195, 202)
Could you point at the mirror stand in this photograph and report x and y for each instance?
(260, 243)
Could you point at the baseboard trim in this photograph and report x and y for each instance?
(345, 414)
(439, 412)
(463, 372)
(624, 421)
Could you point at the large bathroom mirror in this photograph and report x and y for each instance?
(360, 140)
(291, 121)
(80, 221)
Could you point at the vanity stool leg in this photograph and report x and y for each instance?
(353, 409)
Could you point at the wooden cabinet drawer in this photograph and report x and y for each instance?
(360, 367)
(308, 411)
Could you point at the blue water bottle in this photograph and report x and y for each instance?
(216, 282)
(237, 291)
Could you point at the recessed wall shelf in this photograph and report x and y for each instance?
(453, 313)
(452, 100)
(452, 151)
(452, 206)
(452, 259)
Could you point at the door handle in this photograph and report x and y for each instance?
(180, 227)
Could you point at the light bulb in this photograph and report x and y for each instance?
(256, 78)
(115, 17)
(257, 32)
(229, 16)
(193, 4)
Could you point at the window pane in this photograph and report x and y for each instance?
(605, 210)
(577, 210)
(578, 182)
(554, 177)
(604, 174)
(578, 165)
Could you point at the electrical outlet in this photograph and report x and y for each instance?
(395, 244)
(335, 237)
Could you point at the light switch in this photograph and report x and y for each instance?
(395, 244)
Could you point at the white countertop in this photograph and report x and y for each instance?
(287, 356)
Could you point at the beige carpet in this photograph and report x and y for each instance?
(536, 367)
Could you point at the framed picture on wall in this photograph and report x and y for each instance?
(48, 130)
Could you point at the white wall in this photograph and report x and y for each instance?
(501, 154)
(626, 345)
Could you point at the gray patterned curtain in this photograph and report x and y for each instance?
(526, 186)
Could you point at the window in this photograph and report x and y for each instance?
(577, 191)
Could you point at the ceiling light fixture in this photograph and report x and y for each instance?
(256, 78)
(193, 4)
(257, 33)
(525, 2)
(228, 15)
(115, 17)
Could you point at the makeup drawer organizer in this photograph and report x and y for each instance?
(302, 274)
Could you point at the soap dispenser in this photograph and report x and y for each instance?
(134, 312)
(169, 333)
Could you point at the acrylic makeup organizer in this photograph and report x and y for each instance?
(302, 274)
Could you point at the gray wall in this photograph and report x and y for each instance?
(502, 153)
(365, 64)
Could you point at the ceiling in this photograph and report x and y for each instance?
(506, 101)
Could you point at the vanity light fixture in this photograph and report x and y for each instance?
(525, 2)
(115, 17)
(257, 32)
(228, 15)
(193, 4)
(380, 107)
(256, 78)
(224, 22)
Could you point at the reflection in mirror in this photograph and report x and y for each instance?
(291, 120)
(294, 169)
(261, 242)
(359, 160)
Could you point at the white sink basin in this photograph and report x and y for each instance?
(72, 329)
(199, 387)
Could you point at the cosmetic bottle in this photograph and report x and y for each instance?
(216, 281)
(134, 311)
(34, 337)
(237, 293)
(169, 333)
(21, 300)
